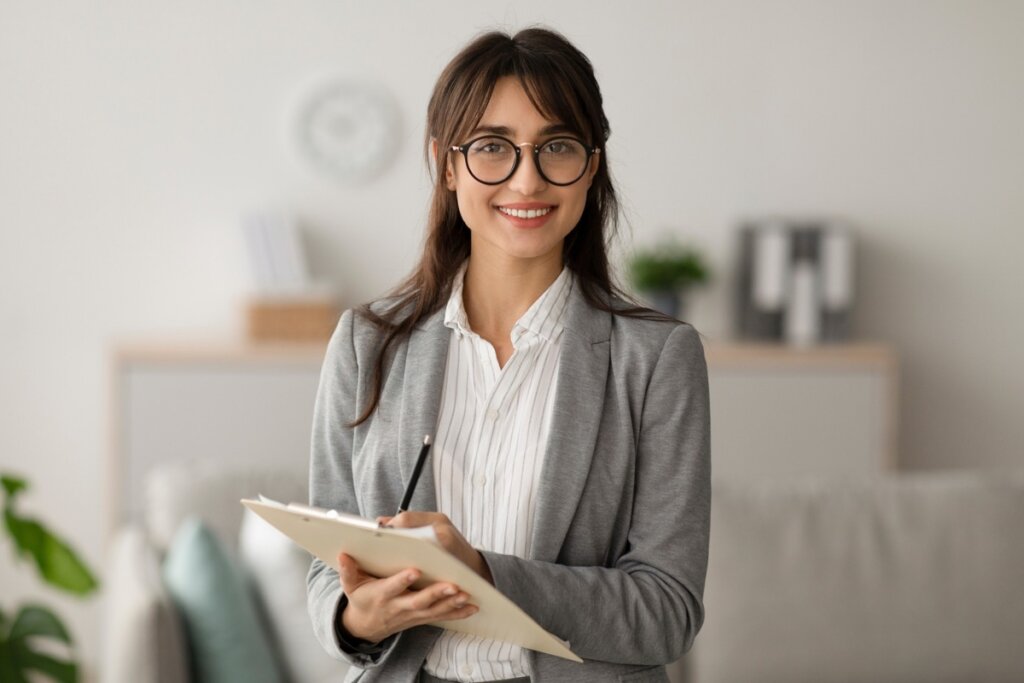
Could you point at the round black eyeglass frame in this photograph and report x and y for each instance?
(591, 151)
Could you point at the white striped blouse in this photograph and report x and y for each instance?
(491, 434)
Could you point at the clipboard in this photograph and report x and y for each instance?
(384, 551)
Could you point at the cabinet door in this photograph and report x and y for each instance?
(792, 421)
(258, 414)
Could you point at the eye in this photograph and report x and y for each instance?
(491, 147)
(563, 147)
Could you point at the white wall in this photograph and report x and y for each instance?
(133, 135)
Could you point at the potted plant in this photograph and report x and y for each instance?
(22, 633)
(663, 274)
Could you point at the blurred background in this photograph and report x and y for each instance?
(138, 139)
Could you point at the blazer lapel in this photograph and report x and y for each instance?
(423, 381)
(579, 402)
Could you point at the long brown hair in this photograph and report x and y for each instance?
(560, 82)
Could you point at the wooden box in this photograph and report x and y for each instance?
(312, 319)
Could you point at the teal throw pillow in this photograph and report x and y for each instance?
(225, 632)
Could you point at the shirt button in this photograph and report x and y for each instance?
(481, 479)
(492, 414)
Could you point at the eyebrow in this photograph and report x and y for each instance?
(550, 129)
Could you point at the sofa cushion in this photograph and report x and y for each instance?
(278, 569)
(211, 490)
(225, 633)
(914, 577)
(143, 638)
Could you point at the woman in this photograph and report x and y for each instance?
(571, 458)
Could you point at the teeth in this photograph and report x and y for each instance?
(524, 213)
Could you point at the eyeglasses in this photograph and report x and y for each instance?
(493, 159)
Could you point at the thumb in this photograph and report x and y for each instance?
(351, 574)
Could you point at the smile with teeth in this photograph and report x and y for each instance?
(525, 213)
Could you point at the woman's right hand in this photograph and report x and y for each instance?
(380, 607)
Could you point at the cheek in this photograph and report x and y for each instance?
(474, 205)
(576, 202)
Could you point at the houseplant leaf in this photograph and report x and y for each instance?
(56, 561)
(18, 654)
(21, 658)
(13, 485)
(58, 670)
(34, 620)
(667, 267)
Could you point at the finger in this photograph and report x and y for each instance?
(396, 584)
(430, 596)
(461, 612)
(447, 612)
(351, 574)
(417, 518)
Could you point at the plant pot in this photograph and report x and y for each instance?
(665, 301)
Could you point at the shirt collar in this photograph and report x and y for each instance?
(545, 318)
(455, 312)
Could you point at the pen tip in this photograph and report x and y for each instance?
(426, 440)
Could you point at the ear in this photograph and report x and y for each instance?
(595, 163)
(449, 172)
(449, 175)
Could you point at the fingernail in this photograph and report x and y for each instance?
(460, 601)
(410, 577)
(449, 591)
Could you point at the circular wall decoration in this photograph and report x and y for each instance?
(349, 129)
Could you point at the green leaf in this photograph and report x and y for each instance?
(56, 561)
(64, 672)
(27, 537)
(18, 655)
(34, 620)
(10, 669)
(667, 267)
(63, 568)
(13, 485)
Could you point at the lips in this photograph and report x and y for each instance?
(525, 213)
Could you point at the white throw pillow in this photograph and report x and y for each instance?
(143, 636)
(278, 569)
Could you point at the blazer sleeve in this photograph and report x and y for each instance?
(646, 608)
(331, 486)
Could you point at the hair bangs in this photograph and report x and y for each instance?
(555, 95)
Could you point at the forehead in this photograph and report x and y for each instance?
(510, 108)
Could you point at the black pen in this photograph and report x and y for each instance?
(411, 486)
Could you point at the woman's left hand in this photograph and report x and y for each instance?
(450, 538)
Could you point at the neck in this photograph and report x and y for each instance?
(497, 295)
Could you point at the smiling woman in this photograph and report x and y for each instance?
(571, 431)
(515, 214)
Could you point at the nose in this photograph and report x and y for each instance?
(526, 179)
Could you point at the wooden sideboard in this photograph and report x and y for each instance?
(781, 411)
(775, 411)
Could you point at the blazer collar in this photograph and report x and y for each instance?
(425, 364)
(579, 403)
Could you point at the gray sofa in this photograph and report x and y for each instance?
(915, 577)
(911, 577)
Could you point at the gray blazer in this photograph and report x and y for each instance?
(620, 548)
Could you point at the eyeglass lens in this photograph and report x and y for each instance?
(492, 159)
